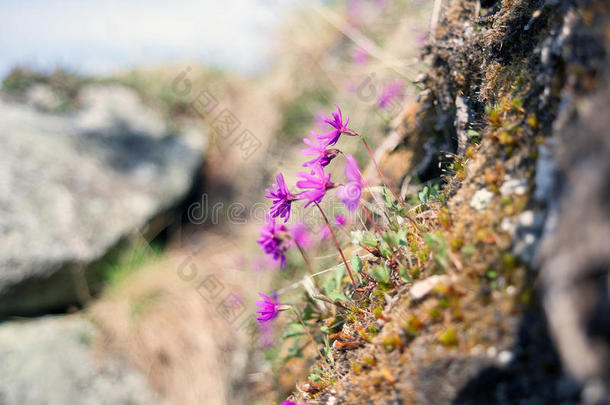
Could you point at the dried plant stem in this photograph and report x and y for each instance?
(308, 265)
(330, 228)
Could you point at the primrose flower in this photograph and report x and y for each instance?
(351, 192)
(315, 183)
(273, 241)
(282, 198)
(270, 308)
(336, 122)
(318, 149)
(390, 92)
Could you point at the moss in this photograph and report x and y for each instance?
(449, 336)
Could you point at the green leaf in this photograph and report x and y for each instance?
(357, 263)
(394, 226)
(404, 274)
(385, 250)
(369, 240)
(390, 201)
(402, 237)
(337, 295)
(338, 277)
(294, 329)
(438, 245)
(390, 238)
(381, 274)
(471, 133)
(423, 195)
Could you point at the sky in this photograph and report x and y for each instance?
(101, 37)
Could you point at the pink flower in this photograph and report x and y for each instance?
(339, 126)
(273, 241)
(315, 183)
(351, 192)
(318, 149)
(390, 92)
(270, 308)
(282, 198)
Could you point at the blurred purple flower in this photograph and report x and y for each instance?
(339, 221)
(265, 330)
(270, 308)
(272, 241)
(318, 120)
(336, 122)
(420, 39)
(360, 56)
(354, 10)
(282, 198)
(315, 183)
(381, 3)
(300, 233)
(318, 149)
(351, 192)
(391, 91)
(259, 264)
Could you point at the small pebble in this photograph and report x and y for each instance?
(480, 199)
(513, 186)
(505, 357)
(477, 350)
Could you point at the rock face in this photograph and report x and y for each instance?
(72, 186)
(49, 361)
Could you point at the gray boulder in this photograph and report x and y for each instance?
(51, 361)
(73, 186)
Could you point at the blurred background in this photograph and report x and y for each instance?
(137, 139)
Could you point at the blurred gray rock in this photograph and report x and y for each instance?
(50, 361)
(575, 258)
(72, 186)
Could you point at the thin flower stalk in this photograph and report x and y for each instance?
(349, 270)
(296, 313)
(368, 216)
(308, 265)
(383, 178)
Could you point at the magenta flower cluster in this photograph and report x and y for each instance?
(313, 185)
(276, 238)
